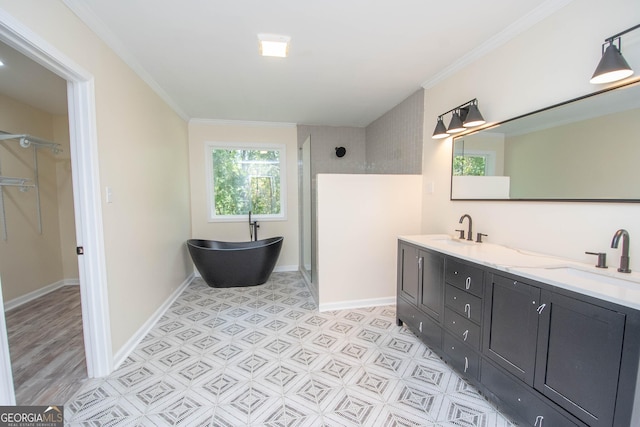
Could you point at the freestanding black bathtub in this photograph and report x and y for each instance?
(230, 264)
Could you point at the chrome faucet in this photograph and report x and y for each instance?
(470, 232)
(624, 258)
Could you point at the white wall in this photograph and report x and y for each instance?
(202, 131)
(551, 62)
(359, 220)
(143, 158)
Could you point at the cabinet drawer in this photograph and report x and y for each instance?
(464, 277)
(461, 357)
(464, 303)
(519, 401)
(419, 323)
(462, 328)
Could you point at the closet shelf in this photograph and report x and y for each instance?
(27, 141)
(23, 183)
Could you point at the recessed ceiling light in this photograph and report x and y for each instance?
(274, 45)
(1, 63)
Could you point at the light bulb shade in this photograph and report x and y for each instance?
(474, 118)
(456, 125)
(440, 131)
(612, 67)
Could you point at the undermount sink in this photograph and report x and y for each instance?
(458, 242)
(630, 281)
(448, 240)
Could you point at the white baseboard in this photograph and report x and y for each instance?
(282, 268)
(17, 302)
(133, 342)
(345, 305)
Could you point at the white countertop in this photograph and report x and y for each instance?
(606, 284)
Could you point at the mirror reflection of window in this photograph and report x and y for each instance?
(584, 149)
(474, 164)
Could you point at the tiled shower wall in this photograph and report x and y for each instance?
(325, 139)
(394, 141)
(391, 144)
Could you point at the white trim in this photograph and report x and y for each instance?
(86, 189)
(541, 12)
(346, 305)
(86, 15)
(7, 392)
(90, 235)
(244, 123)
(144, 330)
(17, 302)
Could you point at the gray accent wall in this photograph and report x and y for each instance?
(394, 141)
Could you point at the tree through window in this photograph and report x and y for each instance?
(245, 178)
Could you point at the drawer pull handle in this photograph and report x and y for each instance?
(420, 263)
(466, 364)
(420, 326)
(465, 334)
(539, 420)
(467, 309)
(541, 308)
(467, 283)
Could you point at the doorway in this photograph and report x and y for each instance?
(86, 202)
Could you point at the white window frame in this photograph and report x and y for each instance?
(209, 146)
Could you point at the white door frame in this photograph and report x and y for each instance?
(86, 199)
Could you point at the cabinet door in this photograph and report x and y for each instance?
(432, 287)
(579, 353)
(408, 272)
(511, 326)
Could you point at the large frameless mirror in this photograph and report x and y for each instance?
(585, 149)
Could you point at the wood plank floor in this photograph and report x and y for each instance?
(47, 348)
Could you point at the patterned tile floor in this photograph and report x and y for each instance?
(265, 356)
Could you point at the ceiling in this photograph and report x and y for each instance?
(30, 83)
(350, 61)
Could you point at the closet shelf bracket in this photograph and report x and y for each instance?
(27, 141)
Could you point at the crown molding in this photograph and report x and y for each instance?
(245, 123)
(95, 24)
(543, 11)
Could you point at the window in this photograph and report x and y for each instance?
(243, 178)
(474, 163)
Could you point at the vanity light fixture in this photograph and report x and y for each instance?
(612, 66)
(274, 45)
(455, 125)
(463, 117)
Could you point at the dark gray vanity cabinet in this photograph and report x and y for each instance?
(431, 285)
(511, 326)
(420, 278)
(545, 355)
(579, 356)
(420, 292)
(463, 317)
(409, 272)
(564, 347)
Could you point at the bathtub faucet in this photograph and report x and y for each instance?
(253, 229)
